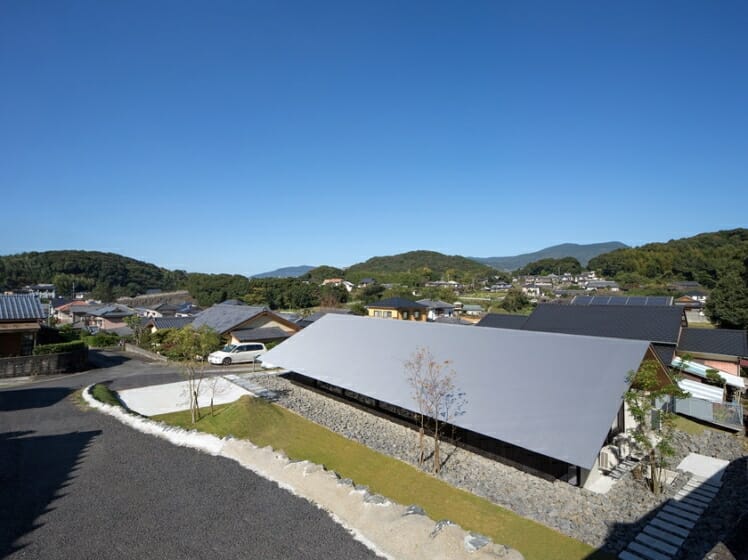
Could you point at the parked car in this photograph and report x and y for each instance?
(237, 353)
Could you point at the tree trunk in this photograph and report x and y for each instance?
(421, 446)
(654, 473)
(437, 459)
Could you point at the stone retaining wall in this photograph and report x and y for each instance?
(50, 364)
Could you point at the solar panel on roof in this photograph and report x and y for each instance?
(637, 300)
(581, 300)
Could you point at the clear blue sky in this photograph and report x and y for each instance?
(243, 136)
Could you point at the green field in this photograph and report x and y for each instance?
(266, 424)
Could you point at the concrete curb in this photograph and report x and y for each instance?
(390, 530)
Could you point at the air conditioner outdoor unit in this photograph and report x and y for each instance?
(607, 459)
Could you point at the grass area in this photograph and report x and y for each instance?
(104, 394)
(266, 424)
(689, 426)
(695, 428)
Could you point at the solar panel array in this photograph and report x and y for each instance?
(623, 300)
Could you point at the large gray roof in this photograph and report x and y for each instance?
(553, 394)
(20, 307)
(222, 317)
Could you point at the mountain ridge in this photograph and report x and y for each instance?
(582, 252)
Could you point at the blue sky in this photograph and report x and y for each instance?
(243, 136)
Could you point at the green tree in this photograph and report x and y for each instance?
(103, 292)
(727, 305)
(649, 401)
(136, 324)
(190, 347)
(515, 300)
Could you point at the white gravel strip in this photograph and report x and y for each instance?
(173, 397)
(384, 527)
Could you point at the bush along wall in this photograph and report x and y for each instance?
(59, 348)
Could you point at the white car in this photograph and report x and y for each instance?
(237, 353)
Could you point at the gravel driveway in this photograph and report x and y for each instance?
(78, 484)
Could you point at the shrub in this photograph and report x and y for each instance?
(102, 339)
(59, 348)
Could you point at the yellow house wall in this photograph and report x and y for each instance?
(396, 314)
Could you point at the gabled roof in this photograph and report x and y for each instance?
(222, 317)
(169, 322)
(727, 342)
(395, 303)
(260, 334)
(502, 321)
(435, 304)
(317, 315)
(639, 322)
(20, 307)
(622, 300)
(564, 411)
(112, 311)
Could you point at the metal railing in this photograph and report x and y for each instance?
(728, 414)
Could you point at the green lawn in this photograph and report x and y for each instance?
(105, 394)
(266, 424)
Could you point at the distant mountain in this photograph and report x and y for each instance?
(704, 258)
(417, 266)
(583, 253)
(286, 272)
(85, 270)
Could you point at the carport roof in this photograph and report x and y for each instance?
(550, 393)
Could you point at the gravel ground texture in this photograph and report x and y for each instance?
(607, 521)
(75, 483)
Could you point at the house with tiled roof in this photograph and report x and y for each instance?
(397, 308)
(437, 308)
(226, 318)
(659, 325)
(722, 349)
(21, 318)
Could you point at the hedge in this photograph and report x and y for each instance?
(59, 348)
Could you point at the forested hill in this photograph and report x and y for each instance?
(582, 253)
(111, 274)
(415, 267)
(704, 258)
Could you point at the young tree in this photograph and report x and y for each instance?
(437, 397)
(649, 401)
(134, 322)
(191, 347)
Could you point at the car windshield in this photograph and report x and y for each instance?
(229, 347)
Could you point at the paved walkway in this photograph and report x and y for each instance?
(664, 535)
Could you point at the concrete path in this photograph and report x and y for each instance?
(663, 536)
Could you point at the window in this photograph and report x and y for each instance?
(416, 315)
(388, 314)
(377, 313)
(404, 314)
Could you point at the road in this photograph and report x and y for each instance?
(75, 483)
